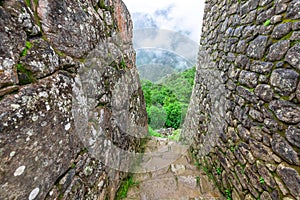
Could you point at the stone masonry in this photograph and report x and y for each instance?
(67, 82)
(244, 117)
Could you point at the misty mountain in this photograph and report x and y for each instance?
(143, 20)
(154, 64)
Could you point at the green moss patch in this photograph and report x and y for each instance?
(28, 45)
(28, 3)
(123, 189)
(25, 76)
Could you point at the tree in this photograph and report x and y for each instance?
(157, 117)
(173, 115)
(167, 101)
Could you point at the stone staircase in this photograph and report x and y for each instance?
(166, 172)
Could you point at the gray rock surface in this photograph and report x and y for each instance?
(278, 50)
(285, 80)
(293, 135)
(291, 179)
(257, 47)
(285, 111)
(293, 56)
(65, 68)
(254, 135)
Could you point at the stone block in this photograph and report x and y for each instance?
(293, 56)
(285, 80)
(293, 135)
(293, 10)
(278, 50)
(285, 111)
(291, 179)
(265, 92)
(282, 148)
(281, 30)
(257, 47)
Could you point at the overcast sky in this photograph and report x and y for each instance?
(176, 15)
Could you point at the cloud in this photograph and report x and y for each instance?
(175, 15)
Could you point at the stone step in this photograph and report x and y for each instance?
(169, 174)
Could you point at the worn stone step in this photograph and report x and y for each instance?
(169, 174)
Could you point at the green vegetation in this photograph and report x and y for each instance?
(197, 164)
(73, 165)
(175, 136)
(28, 3)
(101, 4)
(158, 116)
(198, 180)
(117, 64)
(167, 100)
(28, 45)
(123, 64)
(123, 189)
(228, 194)
(25, 76)
(154, 133)
(267, 23)
(205, 169)
(195, 160)
(219, 171)
(261, 180)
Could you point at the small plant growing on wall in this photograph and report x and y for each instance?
(219, 171)
(28, 45)
(123, 64)
(197, 164)
(198, 180)
(228, 194)
(267, 23)
(261, 180)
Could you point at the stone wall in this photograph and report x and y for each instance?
(69, 97)
(243, 119)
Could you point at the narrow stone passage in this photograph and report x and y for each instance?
(170, 174)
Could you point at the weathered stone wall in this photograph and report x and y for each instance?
(243, 119)
(69, 91)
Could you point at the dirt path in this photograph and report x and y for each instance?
(167, 173)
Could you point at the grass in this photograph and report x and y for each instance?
(175, 135)
(153, 133)
(123, 189)
(123, 64)
(28, 3)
